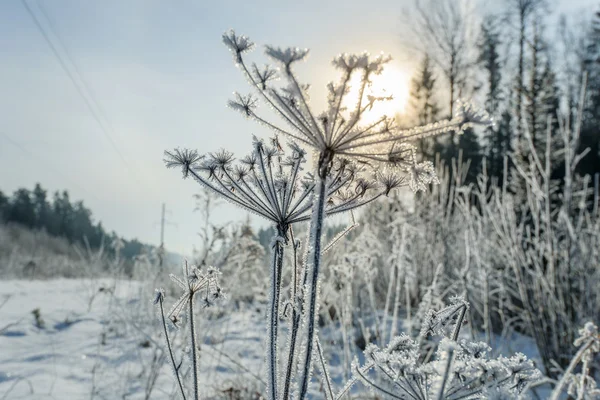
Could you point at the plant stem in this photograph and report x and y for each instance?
(295, 323)
(170, 350)
(315, 246)
(446, 373)
(459, 321)
(329, 392)
(194, 347)
(276, 266)
(565, 378)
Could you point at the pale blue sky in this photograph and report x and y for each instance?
(162, 77)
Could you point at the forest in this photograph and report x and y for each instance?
(60, 218)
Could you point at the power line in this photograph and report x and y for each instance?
(74, 81)
(86, 92)
(82, 79)
(163, 222)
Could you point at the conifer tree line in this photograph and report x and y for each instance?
(525, 69)
(61, 217)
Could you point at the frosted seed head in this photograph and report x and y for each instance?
(222, 158)
(475, 349)
(349, 62)
(244, 104)
(249, 161)
(297, 151)
(390, 181)
(237, 44)
(240, 172)
(402, 343)
(264, 76)
(375, 66)
(388, 125)
(185, 159)
(362, 186)
(257, 143)
(208, 167)
(421, 175)
(159, 295)
(469, 116)
(276, 143)
(286, 56)
(588, 332)
(213, 272)
(194, 277)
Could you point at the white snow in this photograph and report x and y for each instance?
(68, 360)
(95, 352)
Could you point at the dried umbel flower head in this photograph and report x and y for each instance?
(270, 181)
(337, 130)
(195, 281)
(182, 158)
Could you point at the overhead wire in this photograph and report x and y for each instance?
(81, 77)
(78, 87)
(83, 88)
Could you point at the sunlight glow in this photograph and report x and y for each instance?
(392, 82)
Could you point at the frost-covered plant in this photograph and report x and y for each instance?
(195, 283)
(541, 244)
(216, 240)
(581, 386)
(337, 132)
(348, 293)
(459, 370)
(245, 277)
(271, 184)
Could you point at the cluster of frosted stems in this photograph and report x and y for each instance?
(459, 370)
(194, 283)
(463, 368)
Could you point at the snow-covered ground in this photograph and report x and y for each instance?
(99, 339)
(92, 345)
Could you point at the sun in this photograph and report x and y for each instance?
(391, 82)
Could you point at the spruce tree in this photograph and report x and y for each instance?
(470, 148)
(21, 209)
(590, 130)
(41, 206)
(3, 206)
(423, 105)
(498, 138)
(550, 108)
